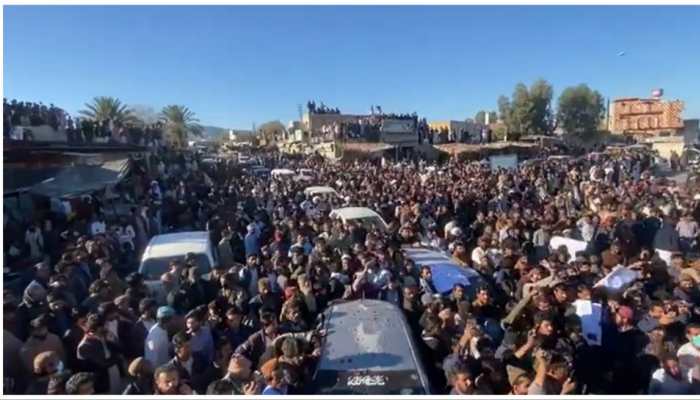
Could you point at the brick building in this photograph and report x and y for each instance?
(646, 117)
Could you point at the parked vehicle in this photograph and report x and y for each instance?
(368, 349)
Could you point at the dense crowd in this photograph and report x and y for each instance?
(20, 116)
(26, 113)
(369, 128)
(85, 322)
(87, 131)
(321, 108)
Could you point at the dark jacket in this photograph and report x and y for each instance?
(666, 238)
(199, 365)
(254, 348)
(136, 388)
(40, 385)
(134, 348)
(201, 381)
(92, 358)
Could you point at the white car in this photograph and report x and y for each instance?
(281, 172)
(367, 217)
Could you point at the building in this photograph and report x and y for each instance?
(314, 122)
(450, 131)
(646, 117)
(447, 131)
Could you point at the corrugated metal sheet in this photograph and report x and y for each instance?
(80, 179)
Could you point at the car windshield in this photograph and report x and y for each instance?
(153, 268)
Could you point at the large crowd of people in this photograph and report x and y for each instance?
(320, 108)
(20, 117)
(83, 321)
(24, 113)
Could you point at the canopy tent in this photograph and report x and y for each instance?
(81, 179)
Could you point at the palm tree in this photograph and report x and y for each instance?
(180, 122)
(105, 107)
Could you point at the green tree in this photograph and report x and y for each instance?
(580, 111)
(105, 107)
(505, 111)
(541, 114)
(180, 122)
(529, 110)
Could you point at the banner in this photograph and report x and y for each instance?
(591, 315)
(619, 278)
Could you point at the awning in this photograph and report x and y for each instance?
(19, 180)
(82, 179)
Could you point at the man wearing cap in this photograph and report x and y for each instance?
(33, 305)
(157, 348)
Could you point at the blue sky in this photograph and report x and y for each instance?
(235, 65)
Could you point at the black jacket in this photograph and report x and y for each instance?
(136, 388)
(92, 358)
(199, 365)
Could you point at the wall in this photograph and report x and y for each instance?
(314, 122)
(666, 147)
(45, 133)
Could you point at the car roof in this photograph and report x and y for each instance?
(354, 213)
(446, 273)
(319, 190)
(362, 335)
(177, 244)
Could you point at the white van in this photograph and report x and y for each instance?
(320, 191)
(162, 249)
(367, 217)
